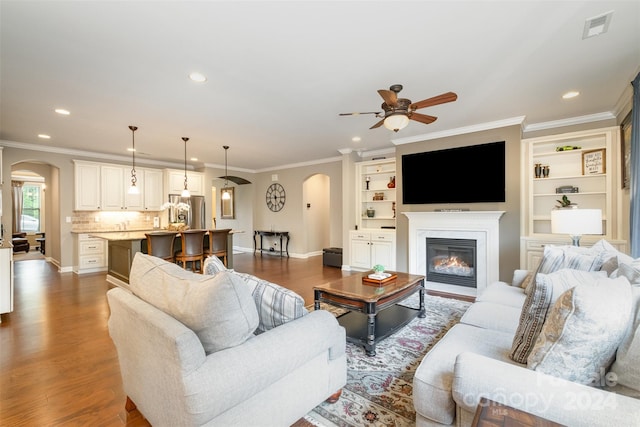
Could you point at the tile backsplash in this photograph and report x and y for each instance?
(98, 221)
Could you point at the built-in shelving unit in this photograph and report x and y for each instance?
(373, 193)
(373, 242)
(596, 189)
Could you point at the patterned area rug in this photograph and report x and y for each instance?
(379, 389)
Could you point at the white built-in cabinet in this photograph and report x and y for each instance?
(373, 241)
(104, 187)
(91, 256)
(369, 248)
(6, 278)
(174, 182)
(540, 195)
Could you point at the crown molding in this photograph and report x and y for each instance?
(608, 115)
(519, 120)
(301, 164)
(88, 154)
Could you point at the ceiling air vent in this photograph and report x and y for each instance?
(597, 25)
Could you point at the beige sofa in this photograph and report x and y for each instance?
(474, 358)
(189, 353)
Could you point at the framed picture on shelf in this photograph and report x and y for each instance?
(594, 162)
(625, 150)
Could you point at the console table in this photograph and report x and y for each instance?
(283, 235)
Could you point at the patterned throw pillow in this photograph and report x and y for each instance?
(544, 292)
(583, 330)
(213, 265)
(276, 305)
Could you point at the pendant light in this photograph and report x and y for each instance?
(133, 189)
(185, 192)
(225, 193)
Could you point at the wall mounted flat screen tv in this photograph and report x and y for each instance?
(471, 174)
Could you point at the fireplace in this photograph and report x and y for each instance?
(481, 226)
(451, 261)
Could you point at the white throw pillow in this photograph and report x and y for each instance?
(583, 330)
(219, 309)
(544, 293)
(627, 364)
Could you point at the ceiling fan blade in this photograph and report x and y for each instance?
(390, 97)
(436, 100)
(377, 125)
(357, 114)
(423, 118)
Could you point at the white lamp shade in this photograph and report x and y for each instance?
(576, 222)
(133, 189)
(396, 122)
(185, 193)
(225, 195)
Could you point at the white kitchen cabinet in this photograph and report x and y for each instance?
(91, 254)
(154, 195)
(372, 247)
(105, 187)
(174, 182)
(87, 186)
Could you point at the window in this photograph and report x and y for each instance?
(31, 207)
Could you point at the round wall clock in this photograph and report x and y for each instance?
(275, 197)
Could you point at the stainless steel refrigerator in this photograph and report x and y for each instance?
(194, 217)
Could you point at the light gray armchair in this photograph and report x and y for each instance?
(272, 378)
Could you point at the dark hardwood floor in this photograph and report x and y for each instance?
(58, 365)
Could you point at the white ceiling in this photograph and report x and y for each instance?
(280, 72)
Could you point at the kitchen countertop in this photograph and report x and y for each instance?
(131, 235)
(122, 235)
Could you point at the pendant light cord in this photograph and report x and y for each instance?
(134, 179)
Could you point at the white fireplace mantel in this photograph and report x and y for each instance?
(482, 226)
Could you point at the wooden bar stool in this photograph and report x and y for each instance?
(160, 244)
(218, 242)
(192, 249)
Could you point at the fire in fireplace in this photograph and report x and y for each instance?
(451, 261)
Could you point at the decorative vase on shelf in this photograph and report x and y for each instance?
(545, 171)
(392, 182)
(370, 212)
(537, 170)
(367, 180)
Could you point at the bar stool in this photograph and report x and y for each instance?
(160, 244)
(218, 240)
(192, 248)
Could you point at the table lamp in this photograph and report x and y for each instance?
(576, 222)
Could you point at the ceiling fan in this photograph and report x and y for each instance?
(398, 111)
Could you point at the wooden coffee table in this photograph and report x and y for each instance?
(374, 313)
(493, 414)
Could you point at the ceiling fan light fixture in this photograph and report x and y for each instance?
(397, 121)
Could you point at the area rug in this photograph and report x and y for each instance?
(379, 389)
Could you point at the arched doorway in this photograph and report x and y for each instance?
(316, 213)
(32, 207)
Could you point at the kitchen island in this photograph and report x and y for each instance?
(122, 246)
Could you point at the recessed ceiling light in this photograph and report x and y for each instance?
(62, 111)
(131, 149)
(44, 136)
(571, 94)
(356, 139)
(194, 159)
(197, 77)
